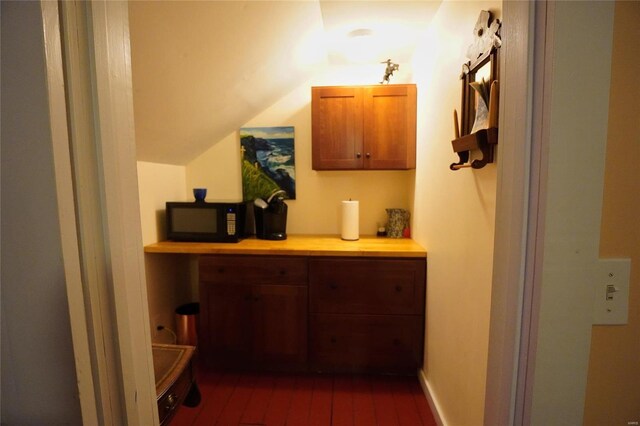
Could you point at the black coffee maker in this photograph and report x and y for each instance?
(271, 217)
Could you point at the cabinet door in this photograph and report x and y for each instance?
(280, 326)
(228, 323)
(390, 127)
(336, 116)
(253, 311)
(257, 326)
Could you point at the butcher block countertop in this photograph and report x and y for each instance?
(300, 245)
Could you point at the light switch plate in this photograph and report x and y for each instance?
(611, 303)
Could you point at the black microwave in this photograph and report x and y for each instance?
(206, 222)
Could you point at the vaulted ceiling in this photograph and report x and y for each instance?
(201, 69)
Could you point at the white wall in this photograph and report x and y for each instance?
(612, 387)
(581, 36)
(454, 220)
(218, 170)
(168, 283)
(38, 371)
(157, 184)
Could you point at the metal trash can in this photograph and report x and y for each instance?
(187, 324)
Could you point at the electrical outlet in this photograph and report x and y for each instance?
(611, 304)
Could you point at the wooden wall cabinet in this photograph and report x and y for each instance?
(364, 127)
(253, 311)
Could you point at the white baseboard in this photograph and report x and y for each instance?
(433, 404)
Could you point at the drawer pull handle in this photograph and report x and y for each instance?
(172, 401)
(398, 288)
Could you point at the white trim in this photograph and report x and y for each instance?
(535, 242)
(104, 351)
(115, 138)
(512, 211)
(106, 284)
(67, 212)
(433, 403)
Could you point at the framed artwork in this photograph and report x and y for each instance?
(268, 162)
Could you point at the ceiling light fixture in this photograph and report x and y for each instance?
(360, 32)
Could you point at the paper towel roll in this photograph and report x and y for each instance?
(350, 220)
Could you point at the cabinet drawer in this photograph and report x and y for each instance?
(273, 270)
(365, 343)
(170, 401)
(367, 286)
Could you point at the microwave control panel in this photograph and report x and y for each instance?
(231, 223)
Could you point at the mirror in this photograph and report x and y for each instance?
(484, 73)
(483, 63)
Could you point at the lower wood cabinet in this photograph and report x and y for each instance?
(301, 313)
(365, 343)
(367, 315)
(248, 317)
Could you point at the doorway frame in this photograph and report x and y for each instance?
(517, 206)
(545, 342)
(97, 191)
(121, 221)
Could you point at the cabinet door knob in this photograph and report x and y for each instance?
(220, 270)
(172, 401)
(283, 271)
(333, 286)
(247, 297)
(358, 155)
(368, 155)
(398, 288)
(333, 339)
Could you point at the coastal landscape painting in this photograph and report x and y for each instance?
(268, 162)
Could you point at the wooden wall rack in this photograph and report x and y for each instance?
(483, 60)
(484, 140)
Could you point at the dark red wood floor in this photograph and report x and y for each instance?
(232, 399)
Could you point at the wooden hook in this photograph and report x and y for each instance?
(463, 156)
